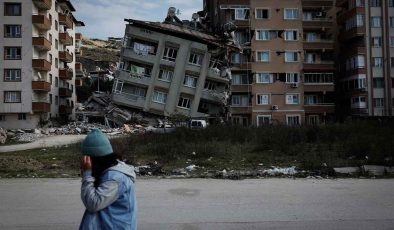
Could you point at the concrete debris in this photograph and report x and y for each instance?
(3, 136)
(347, 170)
(389, 170)
(373, 170)
(274, 171)
(191, 168)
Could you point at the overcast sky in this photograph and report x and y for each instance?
(105, 18)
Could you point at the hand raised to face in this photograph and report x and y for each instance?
(86, 163)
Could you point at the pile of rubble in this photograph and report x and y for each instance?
(3, 136)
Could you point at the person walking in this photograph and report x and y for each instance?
(107, 189)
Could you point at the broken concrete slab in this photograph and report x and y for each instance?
(373, 170)
(347, 170)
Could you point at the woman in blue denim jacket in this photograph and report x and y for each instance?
(107, 187)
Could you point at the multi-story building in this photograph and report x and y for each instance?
(169, 68)
(285, 73)
(366, 57)
(37, 67)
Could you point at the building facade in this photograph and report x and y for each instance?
(286, 71)
(366, 59)
(37, 70)
(168, 69)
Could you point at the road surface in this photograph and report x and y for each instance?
(211, 204)
(44, 142)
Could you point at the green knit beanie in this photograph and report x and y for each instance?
(96, 144)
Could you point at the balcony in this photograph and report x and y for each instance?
(352, 33)
(64, 92)
(345, 15)
(141, 79)
(65, 56)
(319, 44)
(42, 44)
(43, 4)
(41, 107)
(321, 108)
(66, 74)
(65, 20)
(65, 39)
(41, 86)
(130, 53)
(318, 87)
(323, 66)
(41, 65)
(65, 109)
(42, 22)
(78, 36)
(129, 100)
(317, 24)
(241, 110)
(317, 4)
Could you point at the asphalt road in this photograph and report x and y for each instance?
(211, 204)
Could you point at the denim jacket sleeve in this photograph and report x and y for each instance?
(98, 198)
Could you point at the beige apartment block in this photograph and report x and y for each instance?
(37, 69)
(366, 61)
(285, 74)
(168, 69)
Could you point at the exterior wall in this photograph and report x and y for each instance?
(174, 89)
(31, 76)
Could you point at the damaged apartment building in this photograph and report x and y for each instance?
(173, 68)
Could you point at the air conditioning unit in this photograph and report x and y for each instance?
(274, 107)
(319, 14)
(294, 85)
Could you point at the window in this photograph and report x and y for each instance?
(379, 102)
(392, 21)
(376, 22)
(265, 78)
(50, 17)
(360, 3)
(291, 14)
(50, 58)
(291, 56)
(56, 100)
(392, 62)
(293, 119)
(310, 37)
(210, 85)
(2, 117)
(118, 86)
(56, 25)
(12, 53)
(391, 41)
(376, 3)
(262, 13)
(166, 75)
(12, 31)
(50, 37)
(291, 35)
(237, 58)
(378, 82)
(310, 58)
(170, 54)
(50, 99)
(240, 100)
(263, 99)
(263, 35)
(190, 81)
(318, 77)
(137, 91)
(263, 120)
(12, 97)
(378, 62)
(56, 44)
(241, 37)
(291, 77)
(313, 119)
(239, 79)
(12, 75)
(241, 14)
(292, 99)
(159, 97)
(184, 102)
(56, 81)
(391, 3)
(310, 99)
(195, 59)
(56, 63)
(21, 116)
(12, 9)
(377, 41)
(263, 56)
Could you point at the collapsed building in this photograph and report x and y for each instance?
(172, 68)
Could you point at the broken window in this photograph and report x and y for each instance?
(170, 53)
(262, 13)
(190, 81)
(195, 59)
(118, 86)
(159, 97)
(210, 85)
(241, 37)
(184, 102)
(166, 75)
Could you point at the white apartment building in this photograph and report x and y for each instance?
(37, 70)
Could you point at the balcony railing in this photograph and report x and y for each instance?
(319, 66)
(65, 56)
(317, 23)
(43, 4)
(65, 92)
(318, 4)
(42, 43)
(65, 20)
(66, 74)
(41, 107)
(129, 99)
(318, 44)
(41, 65)
(320, 108)
(65, 39)
(42, 22)
(41, 86)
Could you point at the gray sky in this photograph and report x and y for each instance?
(105, 18)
